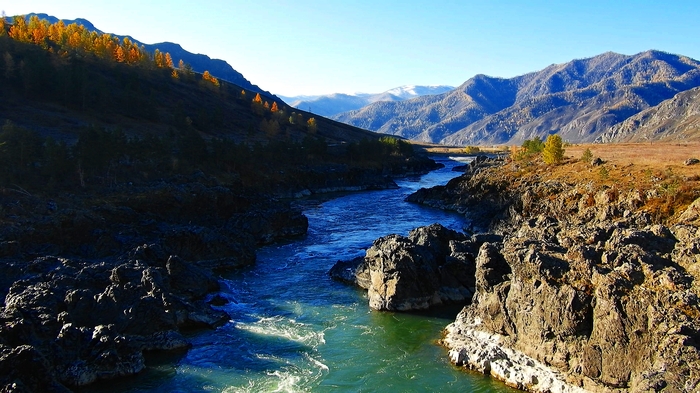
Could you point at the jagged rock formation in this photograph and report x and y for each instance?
(583, 283)
(432, 266)
(579, 100)
(71, 322)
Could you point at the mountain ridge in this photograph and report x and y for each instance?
(335, 103)
(579, 99)
(199, 62)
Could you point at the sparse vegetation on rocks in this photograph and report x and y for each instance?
(583, 282)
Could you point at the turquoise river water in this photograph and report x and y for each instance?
(293, 329)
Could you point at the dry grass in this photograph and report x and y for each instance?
(654, 156)
(432, 148)
(655, 170)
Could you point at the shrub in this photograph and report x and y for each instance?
(587, 156)
(472, 150)
(533, 146)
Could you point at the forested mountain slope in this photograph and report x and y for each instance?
(199, 62)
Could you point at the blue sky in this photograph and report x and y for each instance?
(332, 46)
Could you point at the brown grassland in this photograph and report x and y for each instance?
(656, 169)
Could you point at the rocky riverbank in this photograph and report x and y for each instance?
(585, 281)
(577, 286)
(94, 281)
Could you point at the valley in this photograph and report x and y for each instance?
(169, 225)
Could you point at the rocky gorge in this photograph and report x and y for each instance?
(92, 283)
(569, 285)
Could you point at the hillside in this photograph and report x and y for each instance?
(57, 96)
(127, 186)
(333, 104)
(78, 112)
(199, 62)
(675, 119)
(580, 100)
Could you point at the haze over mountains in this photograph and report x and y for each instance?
(580, 100)
(333, 104)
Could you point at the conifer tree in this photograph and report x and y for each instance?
(3, 23)
(553, 152)
(119, 55)
(311, 125)
(19, 30)
(210, 78)
(257, 104)
(169, 61)
(159, 59)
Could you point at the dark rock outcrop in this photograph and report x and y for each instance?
(81, 321)
(581, 291)
(433, 265)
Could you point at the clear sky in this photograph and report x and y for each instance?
(346, 46)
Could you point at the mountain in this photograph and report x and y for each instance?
(413, 91)
(580, 100)
(333, 104)
(677, 118)
(199, 62)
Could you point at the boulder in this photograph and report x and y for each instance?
(354, 271)
(432, 266)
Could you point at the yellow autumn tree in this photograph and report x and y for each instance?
(38, 31)
(206, 76)
(119, 55)
(311, 125)
(169, 60)
(3, 24)
(257, 104)
(553, 152)
(274, 107)
(159, 59)
(19, 30)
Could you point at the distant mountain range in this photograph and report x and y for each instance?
(583, 101)
(607, 98)
(333, 104)
(199, 62)
(677, 119)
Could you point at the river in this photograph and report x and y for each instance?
(293, 329)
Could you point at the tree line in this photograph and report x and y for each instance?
(106, 158)
(74, 40)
